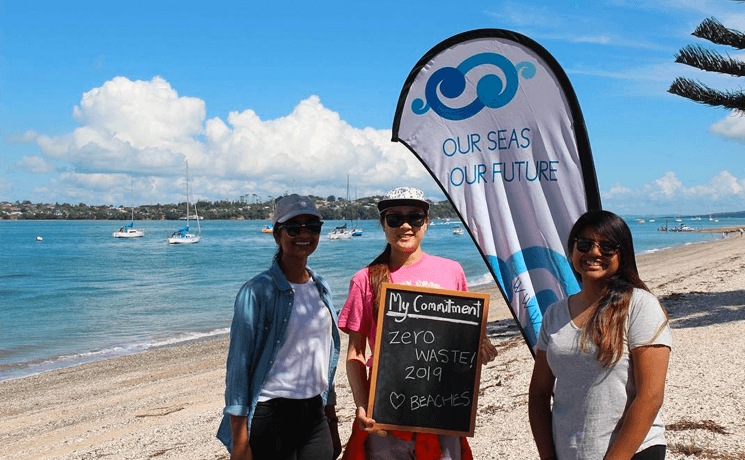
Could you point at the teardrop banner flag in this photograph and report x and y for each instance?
(494, 118)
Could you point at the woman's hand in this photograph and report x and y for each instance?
(240, 450)
(334, 428)
(487, 352)
(366, 423)
(241, 454)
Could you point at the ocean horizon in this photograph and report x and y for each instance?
(79, 295)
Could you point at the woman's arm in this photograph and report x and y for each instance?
(334, 428)
(240, 449)
(487, 351)
(237, 378)
(358, 381)
(650, 369)
(539, 405)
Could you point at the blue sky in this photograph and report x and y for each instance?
(264, 98)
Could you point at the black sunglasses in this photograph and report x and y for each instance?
(415, 219)
(293, 229)
(584, 245)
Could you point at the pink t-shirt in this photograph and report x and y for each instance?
(429, 271)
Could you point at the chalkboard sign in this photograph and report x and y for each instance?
(426, 367)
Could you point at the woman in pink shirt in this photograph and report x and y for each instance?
(404, 218)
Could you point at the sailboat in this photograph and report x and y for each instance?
(355, 231)
(182, 235)
(129, 231)
(342, 232)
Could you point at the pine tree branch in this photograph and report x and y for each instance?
(711, 61)
(698, 92)
(712, 30)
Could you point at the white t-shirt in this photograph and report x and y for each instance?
(589, 400)
(301, 368)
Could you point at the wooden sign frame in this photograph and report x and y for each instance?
(386, 288)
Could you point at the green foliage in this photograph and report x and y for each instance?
(338, 209)
(712, 61)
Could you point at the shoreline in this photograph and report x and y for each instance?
(166, 403)
(85, 357)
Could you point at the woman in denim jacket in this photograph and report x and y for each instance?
(284, 348)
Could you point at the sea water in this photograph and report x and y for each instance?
(79, 295)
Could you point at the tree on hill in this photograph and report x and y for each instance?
(712, 61)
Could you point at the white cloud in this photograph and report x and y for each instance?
(28, 137)
(129, 132)
(722, 185)
(732, 127)
(146, 130)
(617, 191)
(131, 126)
(33, 164)
(667, 186)
(668, 194)
(140, 113)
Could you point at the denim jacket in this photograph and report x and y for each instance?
(262, 310)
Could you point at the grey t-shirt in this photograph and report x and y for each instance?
(589, 401)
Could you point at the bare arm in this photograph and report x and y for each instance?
(539, 405)
(240, 449)
(650, 369)
(334, 428)
(358, 381)
(487, 351)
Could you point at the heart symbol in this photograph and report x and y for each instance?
(397, 399)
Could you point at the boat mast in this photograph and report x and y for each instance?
(133, 203)
(187, 194)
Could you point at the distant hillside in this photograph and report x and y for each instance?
(331, 208)
(718, 215)
(738, 214)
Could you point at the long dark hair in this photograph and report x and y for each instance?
(606, 327)
(380, 268)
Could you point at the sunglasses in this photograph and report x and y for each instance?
(294, 229)
(415, 219)
(584, 245)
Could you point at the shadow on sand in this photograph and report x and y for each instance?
(698, 309)
(693, 309)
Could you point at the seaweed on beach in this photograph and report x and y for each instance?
(703, 453)
(708, 425)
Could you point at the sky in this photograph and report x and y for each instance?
(103, 100)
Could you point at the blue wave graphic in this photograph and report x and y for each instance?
(491, 91)
(529, 259)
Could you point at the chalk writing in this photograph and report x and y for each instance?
(426, 360)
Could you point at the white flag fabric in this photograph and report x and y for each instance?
(493, 117)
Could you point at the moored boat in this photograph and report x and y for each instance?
(182, 235)
(128, 231)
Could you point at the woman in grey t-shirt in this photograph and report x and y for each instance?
(602, 354)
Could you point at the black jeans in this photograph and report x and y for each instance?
(290, 429)
(651, 453)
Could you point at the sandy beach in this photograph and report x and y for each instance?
(166, 404)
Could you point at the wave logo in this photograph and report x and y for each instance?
(534, 261)
(490, 90)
